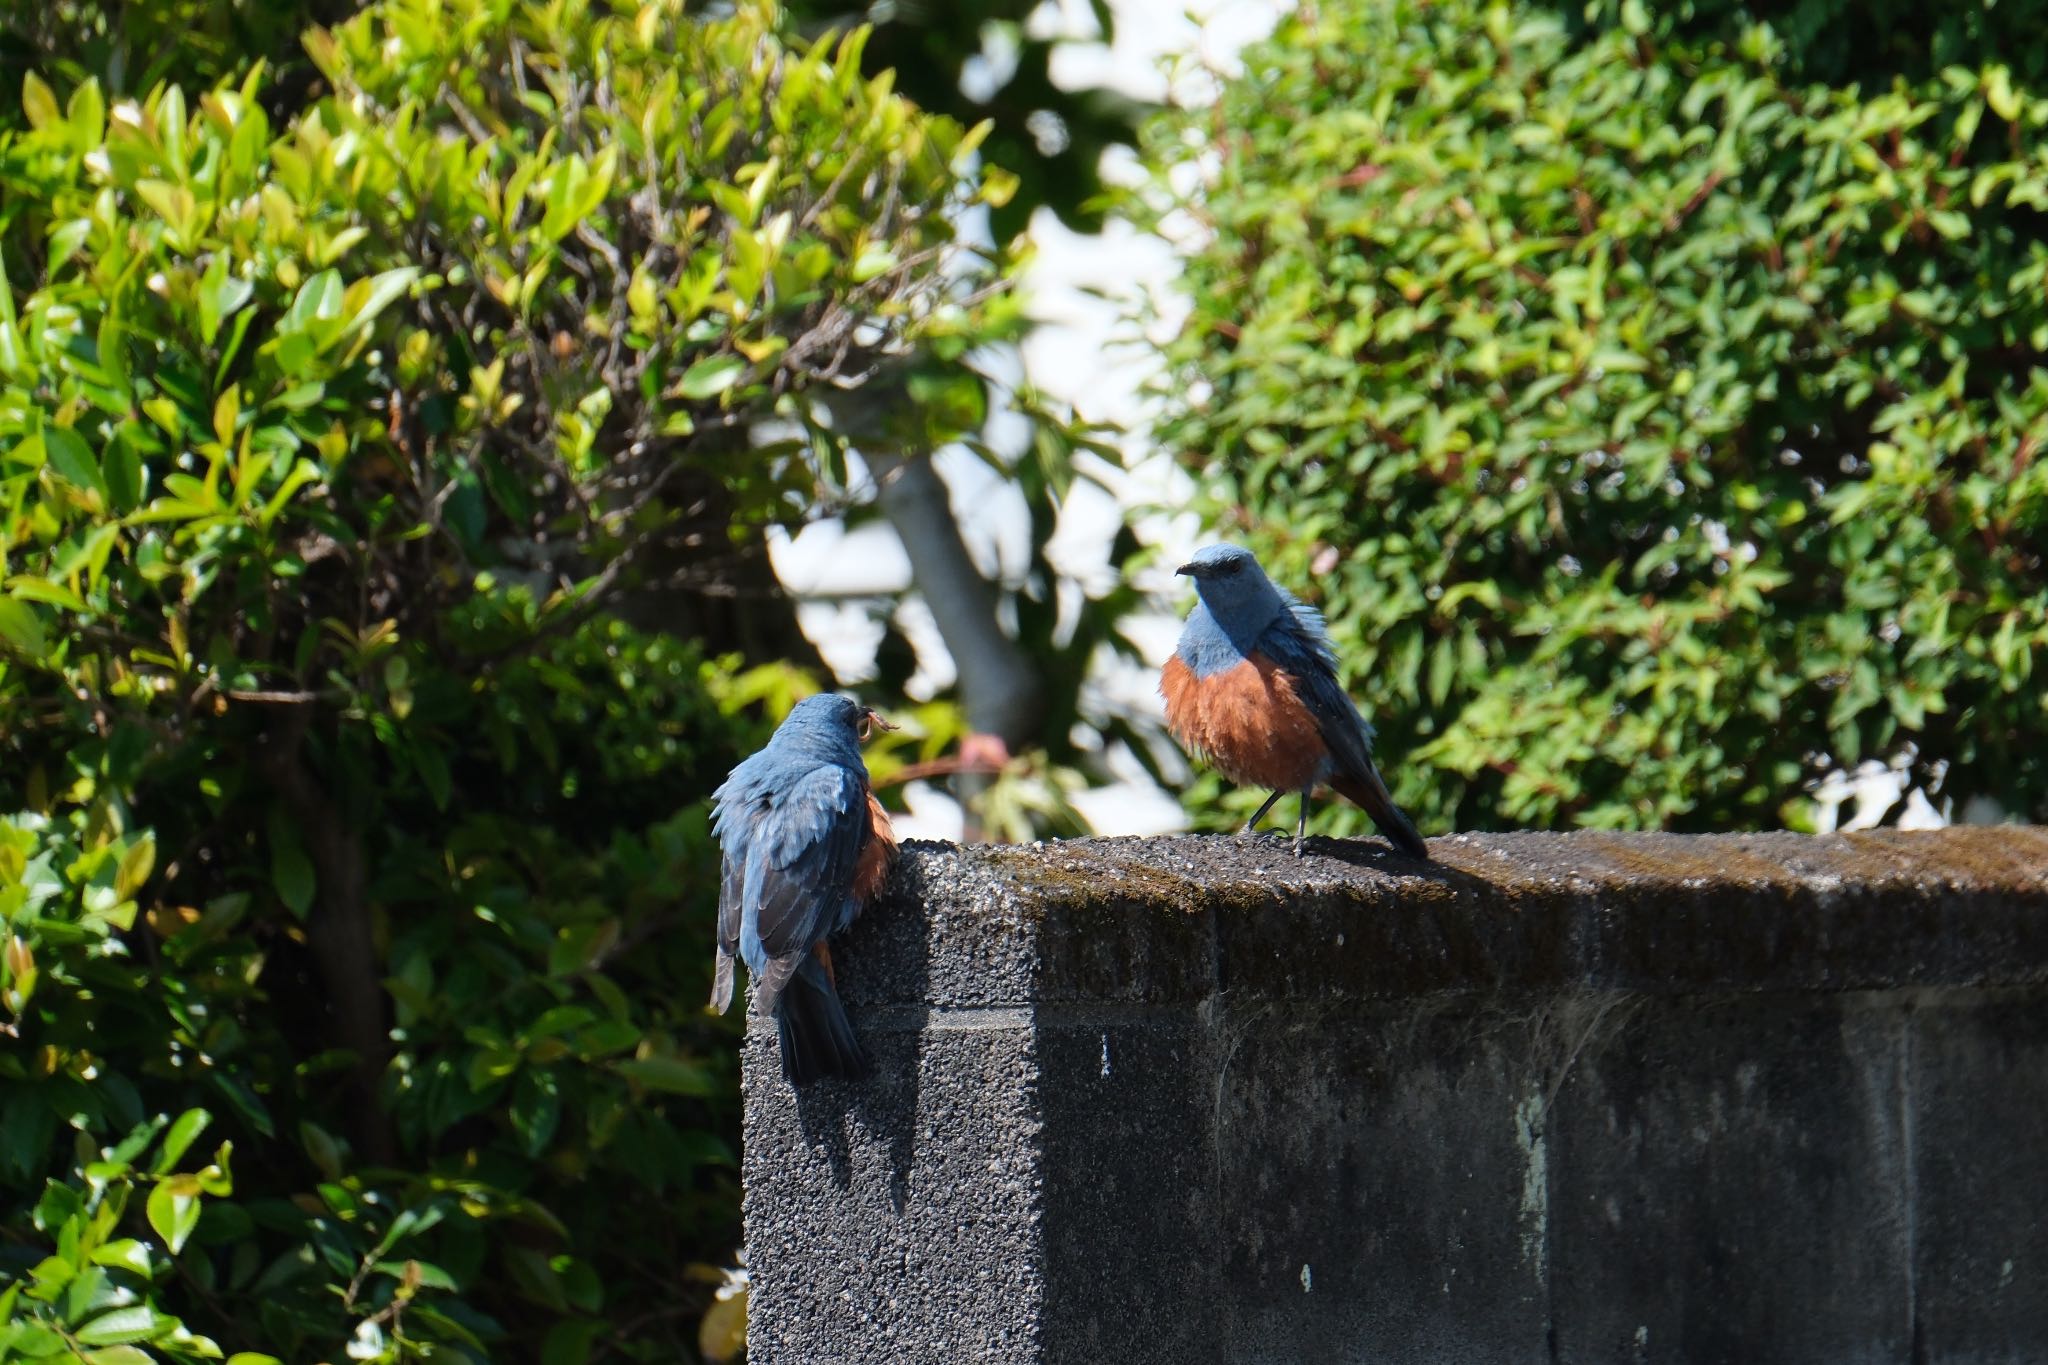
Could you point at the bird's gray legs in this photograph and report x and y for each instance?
(1300, 824)
(1253, 823)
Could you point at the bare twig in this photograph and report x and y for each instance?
(279, 698)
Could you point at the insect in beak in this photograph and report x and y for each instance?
(871, 721)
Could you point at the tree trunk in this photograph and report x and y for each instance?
(338, 928)
(999, 686)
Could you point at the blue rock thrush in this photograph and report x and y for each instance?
(1252, 687)
(806, 845)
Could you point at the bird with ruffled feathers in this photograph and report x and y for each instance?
(1252, 687)
(805, 845)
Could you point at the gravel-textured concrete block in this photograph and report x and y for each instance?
(1381, 1202)
(1728, 1184)
(1550, 1098)
(1129, 1198)
(1980, 1208)
(902, 1223)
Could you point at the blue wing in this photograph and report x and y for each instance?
(790, 847)
(1298, 643)
(741, 801)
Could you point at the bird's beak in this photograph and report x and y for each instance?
(871, 721)
(1191, 570)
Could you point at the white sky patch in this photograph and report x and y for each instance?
(1179, 50)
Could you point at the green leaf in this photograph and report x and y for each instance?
(873, 261)
(318, 300)
(72, 458)
(59, 1205)
(123, 469)
(999, 185)
(87, 114)
(489, 1066)
(325, 1152)
(29, 589)
(574, 192)
(367, 298)
(65, 242)
(220, 293)
(291, 871)
(427, 1273)
(137, 1141)
(536, 1109)
(37, 102)
(137, 862)
(179, 1140)
(432, 764)
(174, 203)
(711, 376)
(671, 1075)
(1999, 94)
(173, 1215)
(126, 1254)
(722, 1336)
(138, 1322)
(569, 1341)
(22, 628)
(1949, 223)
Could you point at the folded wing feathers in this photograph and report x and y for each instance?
(789, 844)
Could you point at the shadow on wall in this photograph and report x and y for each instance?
(878, 1115)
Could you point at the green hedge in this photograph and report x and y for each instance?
(354, 865)
(1655, 427)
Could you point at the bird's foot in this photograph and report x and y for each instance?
(1297, 845)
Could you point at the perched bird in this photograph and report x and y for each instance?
(1252, 687)
(806, 845)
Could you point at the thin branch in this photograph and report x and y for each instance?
(938, 767)
(280, 698)
(597, 594)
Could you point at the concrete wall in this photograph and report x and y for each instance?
(1557, 1098)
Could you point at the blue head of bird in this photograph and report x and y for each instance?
(1235, 589)
(830, 726)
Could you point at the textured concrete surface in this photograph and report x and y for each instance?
(1555, 1098)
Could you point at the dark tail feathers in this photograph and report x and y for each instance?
(1370, 795)
(817, 1038)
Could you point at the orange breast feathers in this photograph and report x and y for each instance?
(1248, 722)
(875, 859)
